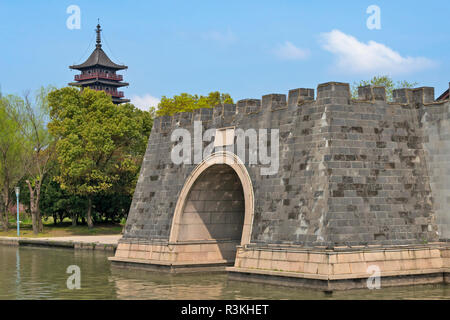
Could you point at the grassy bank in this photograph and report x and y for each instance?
(63, 229)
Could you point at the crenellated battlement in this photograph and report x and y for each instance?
(299, 96)
(371, 93)
(247, 106)
(330, 93)
(420, 95)
(333, 93)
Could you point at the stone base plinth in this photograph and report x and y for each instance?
(189, 256)
(343, 268)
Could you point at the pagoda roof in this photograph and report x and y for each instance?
(120, 100)
(98, 58)
(102, 81)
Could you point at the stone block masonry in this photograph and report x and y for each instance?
(352, 172)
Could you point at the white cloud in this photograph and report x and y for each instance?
(371, 58)
(288, 51)
(223, 38)
(144, 102)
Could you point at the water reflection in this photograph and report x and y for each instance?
(149, 285)
(17, 272)
(40, 273)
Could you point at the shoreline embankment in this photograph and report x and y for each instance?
(104, 243)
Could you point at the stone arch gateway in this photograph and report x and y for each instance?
(355, 182)
(213, 215)
(234, 195)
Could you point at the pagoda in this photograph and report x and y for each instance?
(98, 72)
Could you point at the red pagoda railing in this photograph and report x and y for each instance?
(94, 75)
(118, 94)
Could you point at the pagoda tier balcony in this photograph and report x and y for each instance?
(98, 75)
(117, 94)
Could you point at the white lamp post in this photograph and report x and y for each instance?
(18, 221)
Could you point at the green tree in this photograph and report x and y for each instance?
(12, 155)
(31, 116)
(187, 103)
(384, 81)
(97, 141)
(58, 203)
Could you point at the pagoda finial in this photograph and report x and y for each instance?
(99, 41)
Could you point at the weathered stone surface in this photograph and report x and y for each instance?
(351, 172)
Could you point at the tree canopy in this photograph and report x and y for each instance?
(384, 81)
(187, 103)
(100, 145)
(31, 115)
(73, 153)
(12, 155)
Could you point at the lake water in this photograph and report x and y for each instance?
(40, 273)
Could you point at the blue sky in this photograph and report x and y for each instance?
(246, 48)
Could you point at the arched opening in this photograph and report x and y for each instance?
(214, 210)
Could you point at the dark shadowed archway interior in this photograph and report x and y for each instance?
(214, 208)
